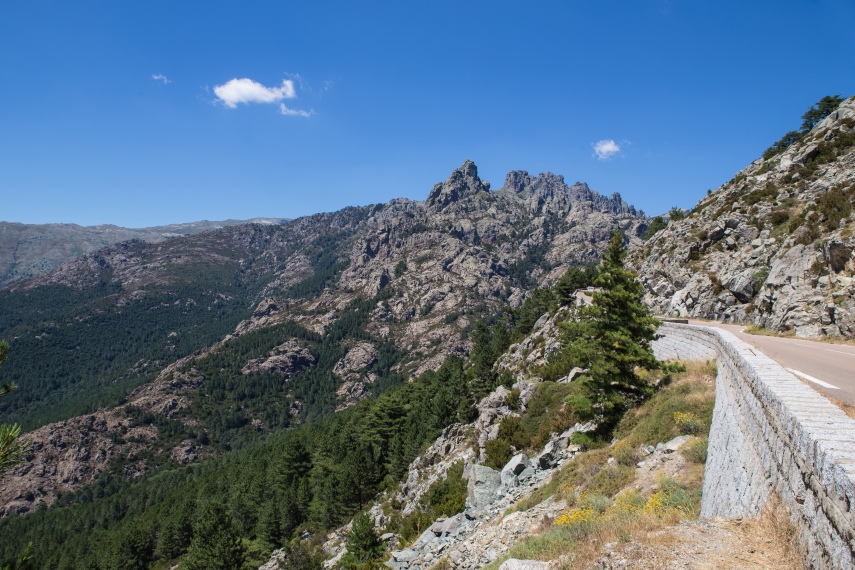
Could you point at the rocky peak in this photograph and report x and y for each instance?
(548, 193)
(618, 205)
(462, 183)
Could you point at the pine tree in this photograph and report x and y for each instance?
(482, 357)
(363, 544)
(611, 337)
(12, 451)
(819, 111)
(215, 543)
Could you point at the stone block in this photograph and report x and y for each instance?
(482, 487)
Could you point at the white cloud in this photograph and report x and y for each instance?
(248, 91)
(298, 112)
(605, 149)
(162, 78)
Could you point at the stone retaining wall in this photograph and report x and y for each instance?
(771, 432)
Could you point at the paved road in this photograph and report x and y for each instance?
(830, 368)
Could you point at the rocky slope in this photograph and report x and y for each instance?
(772, 247)
(28, 250)
(498, 514)
(430, 270)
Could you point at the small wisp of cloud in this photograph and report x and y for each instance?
(245, 90)
(162, 78)
(605, 149)
(296, 112)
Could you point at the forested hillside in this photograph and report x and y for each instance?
(308, 479)
(29, 250)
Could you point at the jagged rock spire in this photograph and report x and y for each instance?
(549, 193)
(463, 182)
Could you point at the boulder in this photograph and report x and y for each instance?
(674, 444)
(512, 469)
(742, 287)
(575, 373)
(286, 359)
(483, 485)
(546, 459)
(357, 358)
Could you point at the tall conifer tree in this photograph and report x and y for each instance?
(215, 543)
(611, 337)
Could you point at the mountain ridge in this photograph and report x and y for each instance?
(28, 250)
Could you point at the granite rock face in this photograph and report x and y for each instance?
(286, 359)
(772, 247)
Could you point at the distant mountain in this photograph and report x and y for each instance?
(28, 250)
(252, 329)
(773, 246)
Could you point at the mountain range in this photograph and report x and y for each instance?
(27, 250)
(332, 308)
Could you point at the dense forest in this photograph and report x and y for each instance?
(277, 482)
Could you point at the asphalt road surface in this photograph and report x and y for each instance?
(828, 368)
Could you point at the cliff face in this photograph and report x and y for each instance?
(771, 247)
(429, 269)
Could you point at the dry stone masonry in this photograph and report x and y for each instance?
(772, 433)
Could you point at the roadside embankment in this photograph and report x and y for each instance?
(770, 432)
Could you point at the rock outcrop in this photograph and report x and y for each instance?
(773, 247)
(286, 359)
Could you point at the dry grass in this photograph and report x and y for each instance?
(763, 331)
(645, 526)
(847, 408)
(774, 534)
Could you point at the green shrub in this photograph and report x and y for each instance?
(676, 213)
(695, 450)
(655, 226)
(510, 430)
(447, 497)
(400, 268)
(498, 452)
(778, 217)
(625, 454)
(836, 204)
(512, 400)
(687, 423)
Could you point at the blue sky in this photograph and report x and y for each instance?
(126, 112)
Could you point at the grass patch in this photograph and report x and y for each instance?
(695, 451)
(596, 520)
(692, 392)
